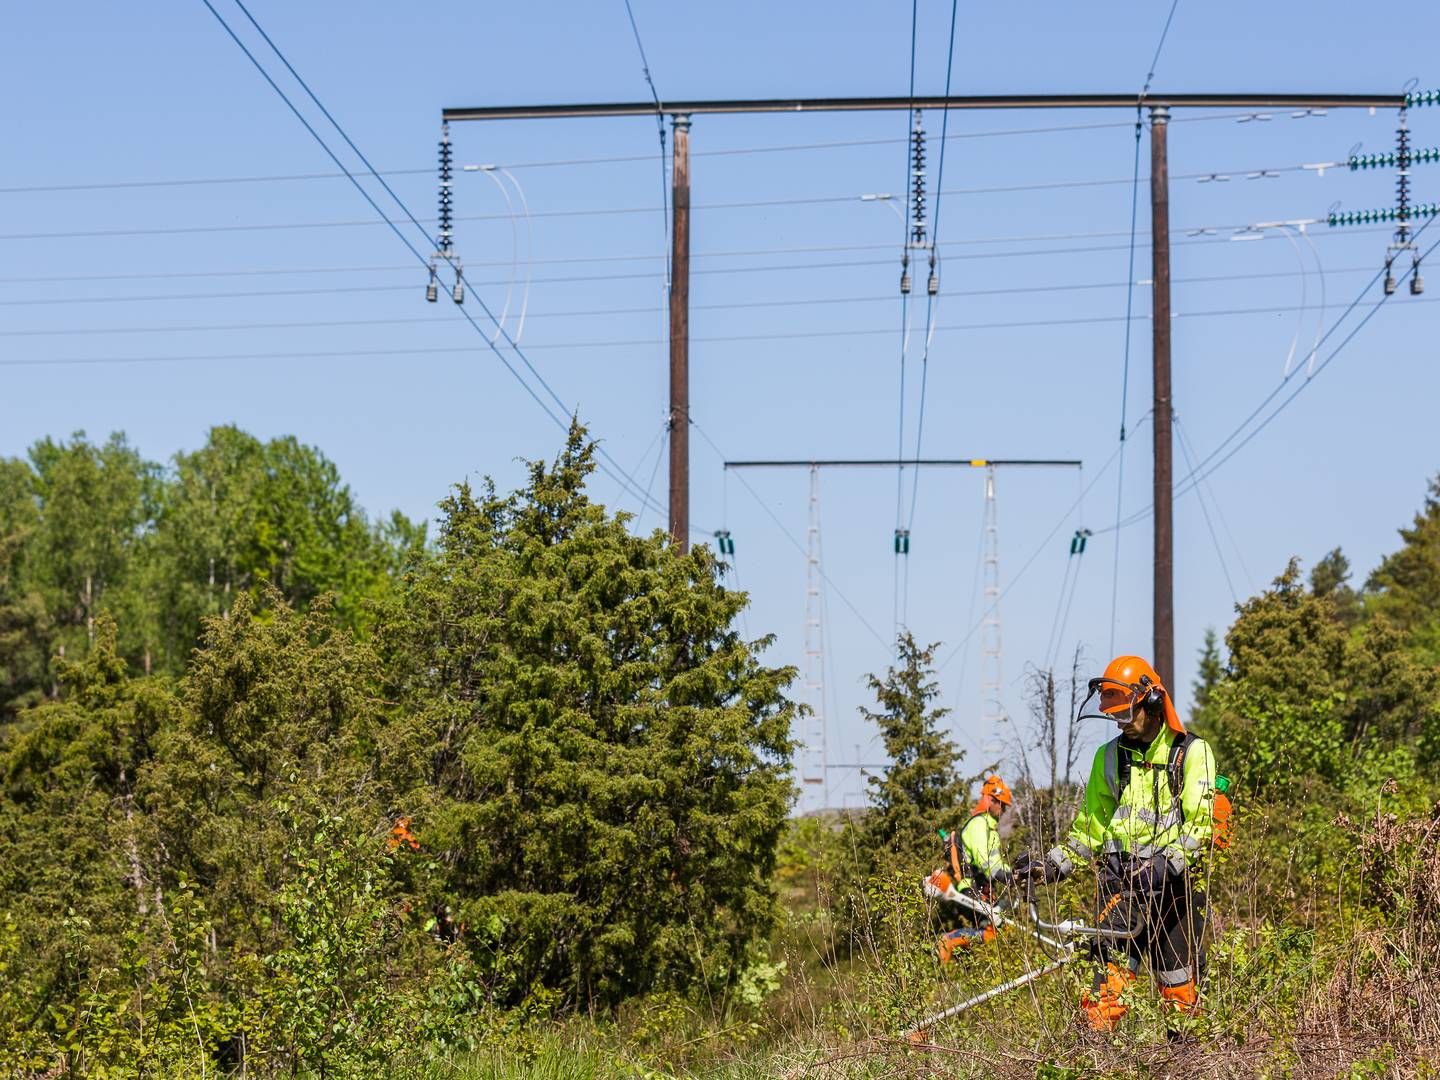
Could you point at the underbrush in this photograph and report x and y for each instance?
(1351, 989)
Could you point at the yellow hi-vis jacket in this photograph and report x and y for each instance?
(980, 851)
(1141, 816)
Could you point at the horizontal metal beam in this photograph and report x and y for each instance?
(892, 104)
(893, 463)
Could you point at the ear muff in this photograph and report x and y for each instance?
(1154, 699)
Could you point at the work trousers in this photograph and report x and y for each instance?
(1168, 928)
(958, 920)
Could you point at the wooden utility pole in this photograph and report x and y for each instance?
(1163, 657)
(680, 339)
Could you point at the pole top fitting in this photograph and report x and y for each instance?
(680, 121)
(1159, 114)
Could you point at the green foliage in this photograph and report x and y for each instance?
(1304, 697)
(920, 787)
(1405, 587)
(597, 761)
(87, 529)
(1209, 671)
(1330, 579)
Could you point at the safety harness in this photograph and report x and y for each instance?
(1174, 770)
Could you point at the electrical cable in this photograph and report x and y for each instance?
(819, 301)
(601, 451)
(593, 211)
(119, 185)
(1183, 485)
(633, 343)
(654, 472)
(844, 264)
(1129, 323)
(913, 133)
(955, 651)
(1235, 547)
(1209, 525)
(792, 538)
(930, 294)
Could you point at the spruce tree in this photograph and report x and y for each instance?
(1209, 672)
(921, 787)
(1406, 584)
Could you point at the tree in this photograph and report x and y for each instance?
(1330, 579)
(920, 787)
(1278, 715)
(1207, 675)
(598, 763)
(95, 504)
(1405, 587)
(24, 621)
(239, 516)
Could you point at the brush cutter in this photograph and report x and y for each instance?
(1070, 931)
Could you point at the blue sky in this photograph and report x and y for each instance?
(796, 318)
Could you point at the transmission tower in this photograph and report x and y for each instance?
(814, 769)
(991, 668)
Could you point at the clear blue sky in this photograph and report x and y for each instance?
(104, 93)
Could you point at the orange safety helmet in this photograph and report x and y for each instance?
(993, 790)
(1130, 682)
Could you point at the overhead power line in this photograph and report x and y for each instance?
(607, 462)
(604, 211)
(46, 188)
(634, 343)
(598, 311)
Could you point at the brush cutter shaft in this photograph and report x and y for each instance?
(1071, 928)
(979, 999)
(998, 920)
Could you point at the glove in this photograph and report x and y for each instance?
(1028, 868)
(1150, 875)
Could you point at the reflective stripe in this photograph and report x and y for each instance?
(1112, 847)
(1189, 843)
(1112, 767)
(1169, 820)
(1146, 851)
(1177, 977)
(1078, 848)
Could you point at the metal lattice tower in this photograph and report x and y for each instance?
(813, 771)
(991, 665)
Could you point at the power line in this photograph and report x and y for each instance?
(633, 343)
(1205, 466)
(342, 290)
(740, 476)
(1104, 468)
(930, 294)
(601, 211)
(660, 128)
(46, 188)
(648, 257)
(1209, 525)
(172, 328)
(559, 421)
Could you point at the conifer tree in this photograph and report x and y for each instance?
(598, 762)
(1406, 584)
(921, 787)
(1210, 671)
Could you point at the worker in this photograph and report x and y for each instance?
(1146, 822)
(975, 862)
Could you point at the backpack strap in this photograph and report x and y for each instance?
(1175, 767)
